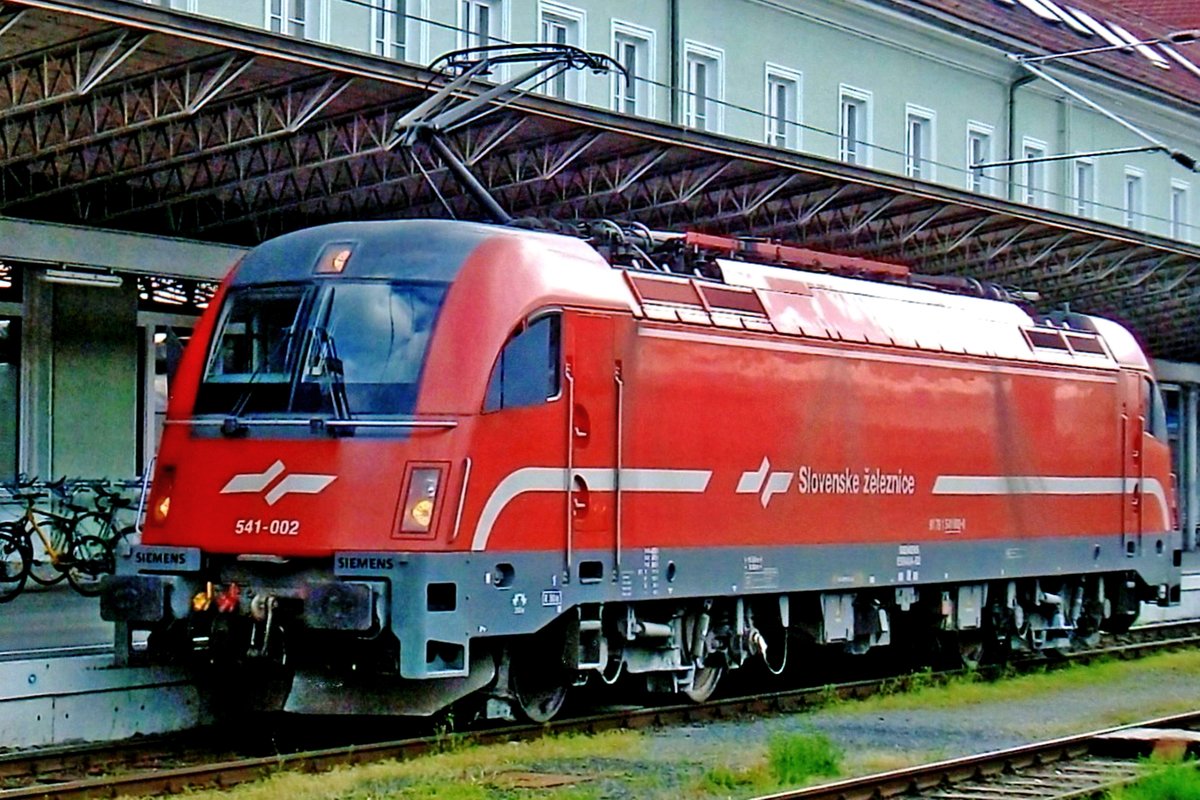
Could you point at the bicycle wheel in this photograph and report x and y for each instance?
(48, 568)
(94, 523)
(14, 564)
(91, 559)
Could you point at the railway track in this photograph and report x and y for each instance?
(1082, 766)
(171, 764)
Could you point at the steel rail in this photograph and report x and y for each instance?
(45, 769)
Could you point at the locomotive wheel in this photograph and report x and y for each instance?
(540, 692)
(704, 683)
(259, 689)
(959, 650)
(1119, 622)
(971, 650)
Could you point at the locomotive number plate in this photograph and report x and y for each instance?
(271, 527)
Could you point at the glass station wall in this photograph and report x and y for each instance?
(1182, 399)
(10, 394)
(94, 381)
(85, 368)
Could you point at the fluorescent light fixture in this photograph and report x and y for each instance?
(79, 278)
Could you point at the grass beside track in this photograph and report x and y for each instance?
(659, 766)
(921, 691)
(1164, 782)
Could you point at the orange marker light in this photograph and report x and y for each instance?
(422, 513)
(164, 485)
(420, 499)
(334, 258)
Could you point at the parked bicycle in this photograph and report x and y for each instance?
(15, 557)
(77, 541)
(97, 533)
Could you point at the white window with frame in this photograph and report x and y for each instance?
(190, 6)
(920, 143)
(1083, 187)
(561, 24)
(1032, 174)
(783, 93)
(633, 48)
(1180, 210)
(1133, 203)
(482, 23)
(854, 125)
(704, 87)
(302, 19)
(981, 149)
(395, 29)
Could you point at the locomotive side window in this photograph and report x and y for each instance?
(256, 337)
(256, 347)
(527, 371)
(1155, 409)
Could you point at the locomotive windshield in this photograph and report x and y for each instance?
(340, 349)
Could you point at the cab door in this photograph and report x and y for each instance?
(592, 386)
(519, 446)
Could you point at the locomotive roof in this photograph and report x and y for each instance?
(929, 319)
(816, 306)
(780, 278)
(853, 309)
(422, 250)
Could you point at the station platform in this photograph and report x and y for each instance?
(57, 696)
(42, 619)
(58, 683)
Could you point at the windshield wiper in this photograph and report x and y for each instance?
(331, 373)
(232, 425)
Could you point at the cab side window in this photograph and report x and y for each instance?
(1155, 410)
(527, 371)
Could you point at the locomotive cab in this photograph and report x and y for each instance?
(321, 437)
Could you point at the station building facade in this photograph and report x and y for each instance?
(911, 88)
(906, 88)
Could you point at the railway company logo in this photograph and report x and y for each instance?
(257, 483)
(765, 481)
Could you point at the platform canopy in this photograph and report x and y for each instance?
(121, 115)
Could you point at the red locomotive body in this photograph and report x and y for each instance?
(408, 461)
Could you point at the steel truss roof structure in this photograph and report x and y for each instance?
(125, 116)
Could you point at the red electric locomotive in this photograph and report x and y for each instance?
(406, 462)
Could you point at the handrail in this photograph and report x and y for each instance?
(570, 473)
